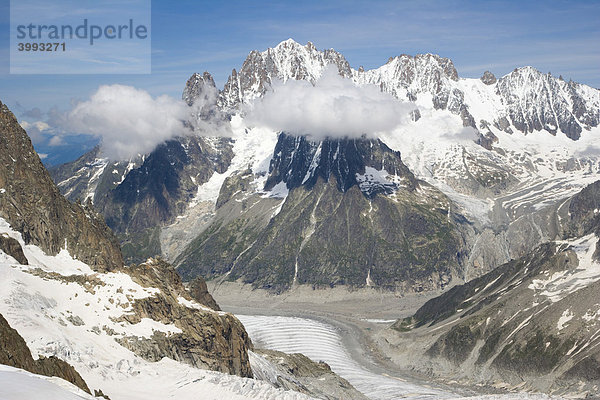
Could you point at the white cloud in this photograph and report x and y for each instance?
(333, 107)
(129, 121)
(205, 117)
(56, 141)
(35, 130)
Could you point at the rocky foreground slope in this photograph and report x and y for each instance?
(135, 332)
(533, 323)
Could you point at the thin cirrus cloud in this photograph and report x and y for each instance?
(333, 107)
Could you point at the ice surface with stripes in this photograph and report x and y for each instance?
(323, 342)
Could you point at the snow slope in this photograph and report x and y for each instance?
(18, 384)
(62, 308)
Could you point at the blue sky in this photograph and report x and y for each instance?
(562, 37)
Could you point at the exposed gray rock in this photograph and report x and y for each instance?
(199, 292)
(13, 248)
(212, 340)
(299, 373)
(531, 322)
(196, 89)
(537, 101)
(415, 115)
(288, 60)
(488, 78)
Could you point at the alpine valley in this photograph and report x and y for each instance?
(482, 208)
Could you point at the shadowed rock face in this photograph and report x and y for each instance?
(33, 205)
(15, 353)
(140, 196)
(584, 215)
(199, 292)
(298, 161)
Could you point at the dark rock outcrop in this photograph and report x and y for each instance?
(584, 212)
(15, 353)
(13, 248)
(488, 78)
(298, 161)
(33, 205)
(137, 197)
(199, 292)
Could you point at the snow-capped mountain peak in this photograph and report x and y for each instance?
(535, 101)
(524, 100)
(287, 60)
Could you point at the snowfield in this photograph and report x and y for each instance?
(17, 384)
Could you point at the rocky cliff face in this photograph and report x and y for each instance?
(535, 101)
(12, 247)
(366, 163)
(34, 213)
(408, 78)
(288, 60)
(584, 212)
(33, 205)
(199, 292)
(210, 340)
(139, 196)
(15, 353)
